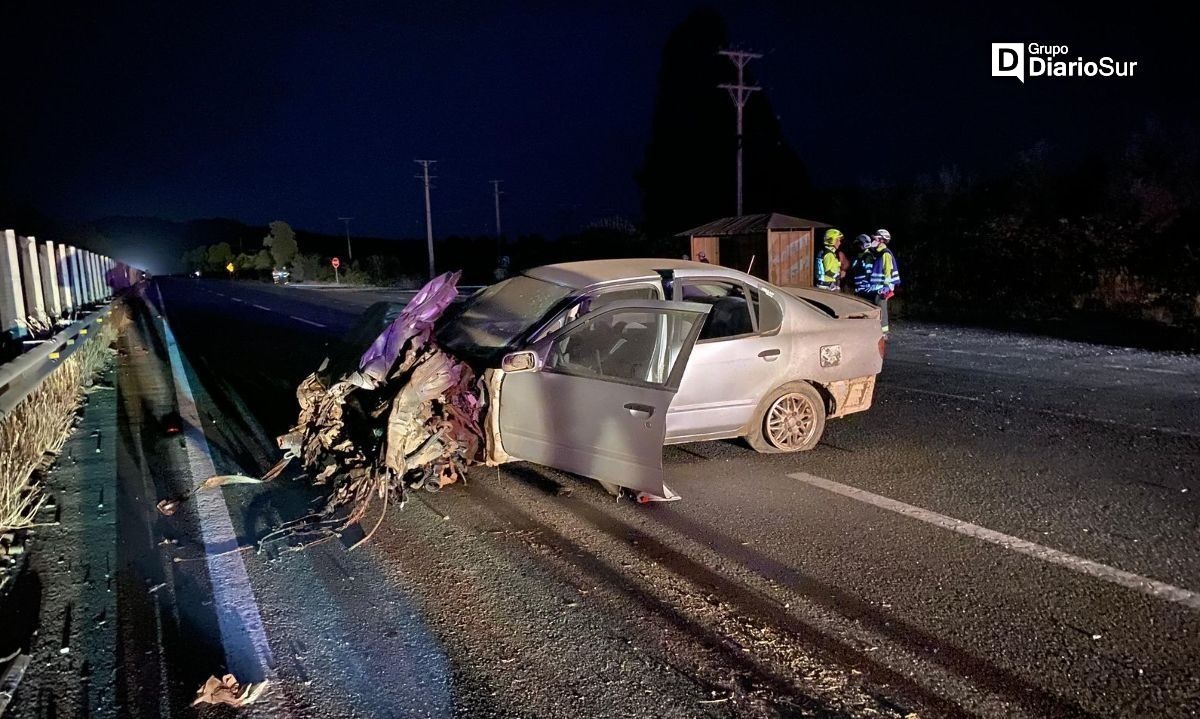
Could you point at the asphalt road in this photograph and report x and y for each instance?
(1012, 530)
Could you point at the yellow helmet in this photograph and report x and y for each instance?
(832, 235)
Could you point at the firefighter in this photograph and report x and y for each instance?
(829, 266)
(861, 265)
(876, 273)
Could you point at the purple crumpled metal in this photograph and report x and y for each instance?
(417, 318)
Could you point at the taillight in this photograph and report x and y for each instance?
(882, 347)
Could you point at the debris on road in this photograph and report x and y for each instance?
(227, 690)
(167, 507)
(401, 415)
(406, 416)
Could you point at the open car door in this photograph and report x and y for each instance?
(592, 398)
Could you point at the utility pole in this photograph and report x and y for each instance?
(349, 254)
(496, 196)
(428, 211)
(740, 93)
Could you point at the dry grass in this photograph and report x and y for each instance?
(35, 431)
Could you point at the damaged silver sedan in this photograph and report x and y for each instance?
(591, 367)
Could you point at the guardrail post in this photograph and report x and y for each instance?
(31, 278)
(62, 273)
(85, 276)
(101, 285)
(12, 297)
(92, 276)
(106, 276)
(104, 284)
(46, 265)
(73, 270)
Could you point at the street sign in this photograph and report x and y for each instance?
(336, 263)
(230, 267)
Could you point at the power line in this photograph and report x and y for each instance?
(740, 93)
(428, 211)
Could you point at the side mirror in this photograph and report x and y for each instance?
(519, 362)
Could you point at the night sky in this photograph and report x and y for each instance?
(260, 111)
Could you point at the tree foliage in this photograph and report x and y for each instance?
(219, 255)
(281, 241)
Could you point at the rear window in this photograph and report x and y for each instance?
(819, 307)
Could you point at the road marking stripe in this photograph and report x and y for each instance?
(233, 599)
(1152, 587)
(237, 299)
(1049, 412)
(268, 309)
(307, 322)
(1144, 369)
(976, 353)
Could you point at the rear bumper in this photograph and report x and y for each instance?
(851, 395)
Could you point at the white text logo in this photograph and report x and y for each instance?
(1022, 60)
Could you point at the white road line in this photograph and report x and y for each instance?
(307, 322)
(980, 354)
(237, 299)
(1050, 412)
(943, 350)
(268, 309)
(1104, 572)
(1144, 369)
(237, 612)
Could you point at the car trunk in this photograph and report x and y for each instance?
(835, 304)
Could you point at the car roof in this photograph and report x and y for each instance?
(591, 272)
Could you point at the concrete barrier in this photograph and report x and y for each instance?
(31, 279)
(43, 282)
(63, 275)
(12, 296)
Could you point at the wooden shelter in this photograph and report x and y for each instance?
(777, 248)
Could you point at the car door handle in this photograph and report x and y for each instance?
(769, 355)
(639, 410)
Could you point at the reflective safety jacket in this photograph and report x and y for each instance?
(829, 269)
(875, 271)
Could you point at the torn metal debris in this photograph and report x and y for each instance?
(227, 690)
(405, 416)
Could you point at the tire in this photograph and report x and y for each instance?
(789, 419)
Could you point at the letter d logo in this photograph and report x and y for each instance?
(1008, 60)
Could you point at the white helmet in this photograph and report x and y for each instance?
(883, 235)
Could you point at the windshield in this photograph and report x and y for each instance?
(493, 319)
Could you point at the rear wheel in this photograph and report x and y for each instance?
(790, 419)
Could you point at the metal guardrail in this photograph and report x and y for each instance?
(22, 375)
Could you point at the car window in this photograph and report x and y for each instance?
(770, 312)
(595, 301)
(631, 345)
(731, 314)
(494, 318)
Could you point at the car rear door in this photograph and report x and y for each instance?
(596, 404)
